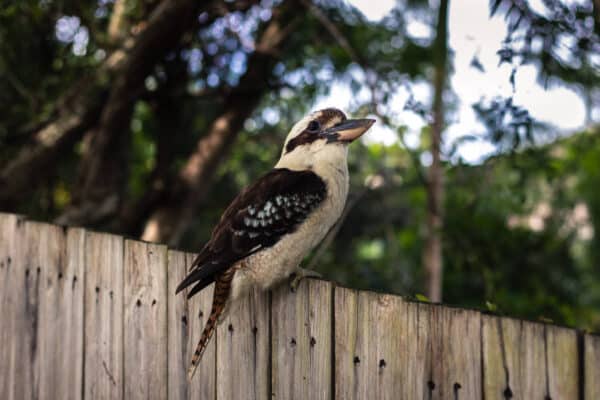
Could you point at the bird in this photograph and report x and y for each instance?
(266, 231)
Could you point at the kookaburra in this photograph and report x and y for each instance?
(271, 225)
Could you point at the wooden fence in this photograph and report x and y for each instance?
(94, 316)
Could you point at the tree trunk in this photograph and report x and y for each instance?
(36, 160)
(169, 222)
(82, 106)
(117, 26)
(103, 168)
(432, 252)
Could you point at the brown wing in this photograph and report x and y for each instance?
(256, 219)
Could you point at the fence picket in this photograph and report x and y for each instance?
(591, 364)
(145, 323)
(301, 341)
(89, 315)
(528, 360)
(186, 321)
(243, 350)
(103, 360)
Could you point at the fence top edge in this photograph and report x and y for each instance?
(336, 286)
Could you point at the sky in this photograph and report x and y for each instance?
(471, 32)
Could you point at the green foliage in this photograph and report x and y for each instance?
(494, 257)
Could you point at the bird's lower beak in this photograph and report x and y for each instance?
(349, 130)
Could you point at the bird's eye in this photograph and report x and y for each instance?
(313, 126)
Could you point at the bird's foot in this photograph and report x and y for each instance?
(300, 274)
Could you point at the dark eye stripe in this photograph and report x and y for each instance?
(305, 137)
(313, 126)
(308, 136)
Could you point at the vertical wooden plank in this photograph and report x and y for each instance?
(69, 318)
(416, 352)
(243, 355)
(25, 283)
(369, 344)
(145, 324)
(346, 322)
(186, 322)
(103, 294)
(390, 349)
(61, 312)
(301, 341)
(513, 358)
(456, 353)
(528, 360)
(11, 300)
(562, 362)
(177, 331)
(203, 386)
(591, 354)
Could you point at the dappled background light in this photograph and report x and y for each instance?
(147, 123)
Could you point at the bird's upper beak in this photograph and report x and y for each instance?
(348, 130)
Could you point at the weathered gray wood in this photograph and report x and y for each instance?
(528, 360)
(368, 345)
(347, 379)
(186, 321)
(70, 317)
(416, 351)
(145, 324)
(387, 348)
(591, 367)
(177, 327)
(12, 302)
(203, 385)
(24, 285)
(301, 341)
(562, 362)
(103, 360)
(243, 350)
(455, 353)
(60, 311)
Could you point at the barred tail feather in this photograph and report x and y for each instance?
(221, 294)
(204, 339)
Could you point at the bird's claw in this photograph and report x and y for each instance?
(300, 274)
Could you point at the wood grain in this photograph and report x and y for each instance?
(243, 355)
(301, 341)
(368, 345)
(61, 255)
(145, 324)
(25, 286)
(103, 333)
(591, 348)
(528, 360)
(88, 315)
(12, 301)
(455, 353)
(186, 321)
(387, 348)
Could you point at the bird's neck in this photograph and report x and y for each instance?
(322, 160)
(329, 164)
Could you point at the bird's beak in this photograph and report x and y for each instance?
(348, 130)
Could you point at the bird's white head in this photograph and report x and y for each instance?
(322, 137)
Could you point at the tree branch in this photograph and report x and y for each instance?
(170, 221)
(103, 168)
